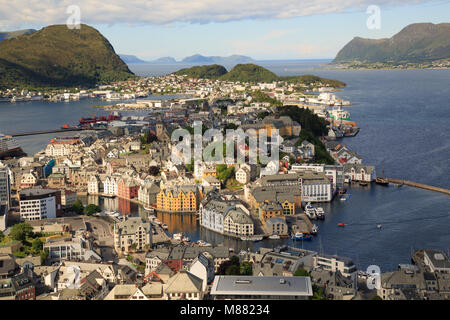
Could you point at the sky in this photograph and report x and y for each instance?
(261, 29)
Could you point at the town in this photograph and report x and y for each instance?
(57, 243)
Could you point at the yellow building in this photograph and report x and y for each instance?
(179, 199)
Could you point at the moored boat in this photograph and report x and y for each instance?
(341, 224)
(301, 236)
(274, 237)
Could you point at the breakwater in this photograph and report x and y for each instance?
(418, 185)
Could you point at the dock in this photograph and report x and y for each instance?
(418, 185)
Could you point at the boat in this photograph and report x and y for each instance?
(310, 211)
(202, 243)
(341, 224)
(382, 180)
(343, 198)
(379, 226)
(274, 237)
(149, 209)
(157, 221)
(314, 229)
(301, 236)
(164, 226)
(339, 114)
(320, 213)
(252, 238)
(363, 183)
(9, 148)
(342, 191)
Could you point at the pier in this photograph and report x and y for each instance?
(418, 185)
(32, 133)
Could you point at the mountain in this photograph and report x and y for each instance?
(131, 59)
(420, 42)
(164, 60)
(233, 59)
(56, 56)
(13, 34)
(249, 73)
(212, 71)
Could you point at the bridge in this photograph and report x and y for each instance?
(418, 185)
(32, 133)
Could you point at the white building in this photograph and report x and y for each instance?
(71, 249)
(222, 216)
(110, 186)
(37, 204)
(243, 175)
(203, 268)
(359, 172)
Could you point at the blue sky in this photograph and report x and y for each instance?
(294, 29)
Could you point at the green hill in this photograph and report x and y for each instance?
(416, 43)
(212, 71)
(249, 73)
(56, 56)
(253, 73)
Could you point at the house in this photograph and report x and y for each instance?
(28, 180)
(147, 193)
(18, 287)
(183, 198)
(277, 225)
(133, 233)
(359, 172)
(211, 181)
(150, 291)
(127, 188)
(184, 286)
(110, 185)
(243, 175)
(203, 268)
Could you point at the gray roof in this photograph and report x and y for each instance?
(272, 286)
(438, 258)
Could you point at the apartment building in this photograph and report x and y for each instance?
(132, 234)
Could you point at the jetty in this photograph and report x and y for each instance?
(418, 185)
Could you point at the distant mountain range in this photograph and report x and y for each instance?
(13, 34)
(416, 43)
(194, 59)
(56, 56)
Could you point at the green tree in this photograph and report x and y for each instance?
(246, 268)
(44, 255)
(91, 209)
(300, 272)
(233, 270)
(78, 207)
(21, 231)
(37, 245)
(318, 293)
(2, 236)
(376, 298)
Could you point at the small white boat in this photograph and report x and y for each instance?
(149, 209)
(274, 237)
(379, 226)
(202, 243)
(310, 211)
(314, 229)
(164, 226)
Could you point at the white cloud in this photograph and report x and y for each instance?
(24, 13)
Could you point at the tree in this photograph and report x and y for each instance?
(2, 236)
(78, 207)
(246, 268)
(300, 272)
(44, 255)
(37, 245)
(376, 298)
(20, 231)
(318, 293)
(91, 209)
(233, 270)
(153, 170)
